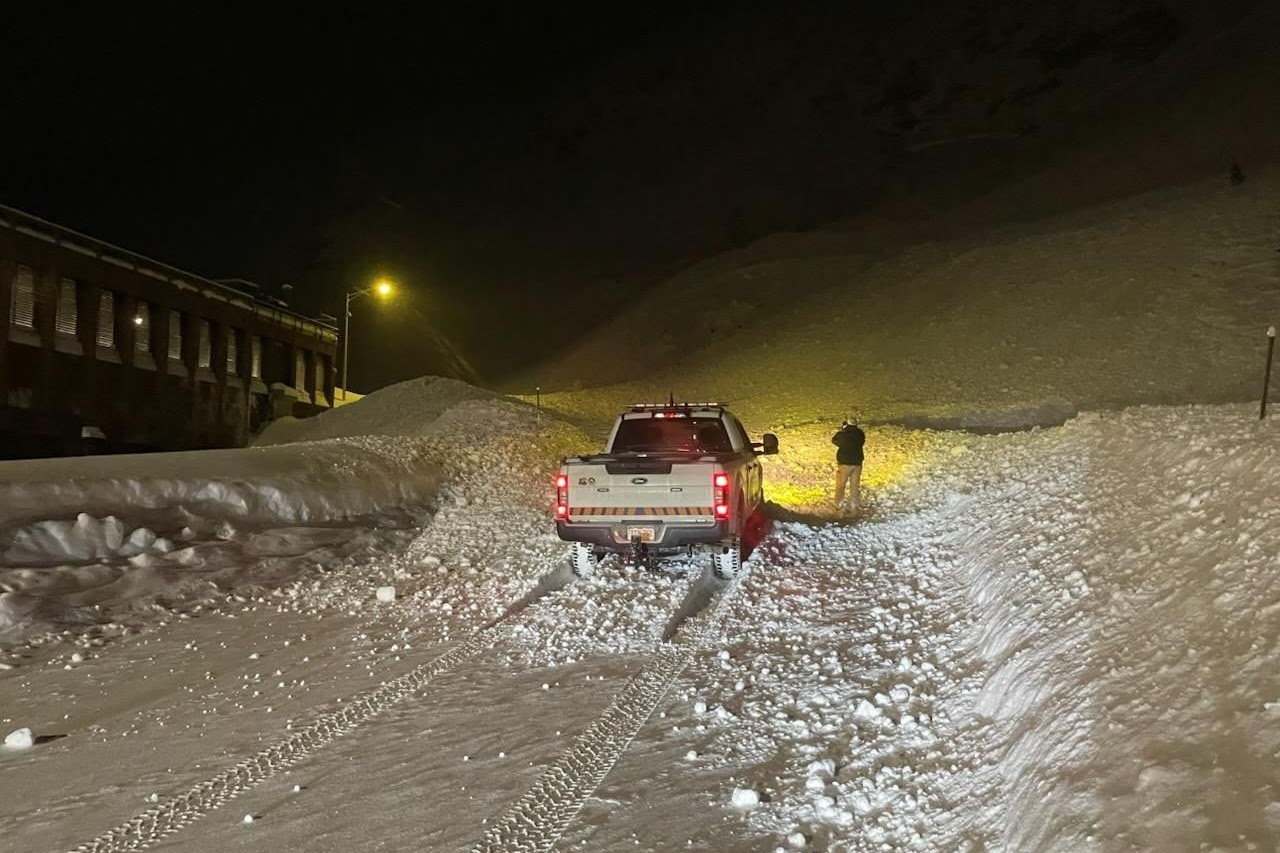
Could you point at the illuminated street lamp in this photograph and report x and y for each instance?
(383, 288)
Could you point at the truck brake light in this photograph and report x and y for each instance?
(720, 481)
(562, 496)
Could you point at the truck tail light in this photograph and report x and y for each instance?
(562, 496)
(720, 482)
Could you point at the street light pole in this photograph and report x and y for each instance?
(382, 288)
(346, 344)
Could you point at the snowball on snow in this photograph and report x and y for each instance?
(20, 739)
(386, 593)
(745, 798)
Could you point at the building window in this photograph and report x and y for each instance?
(300, 370)
(65, 320)
(175, 336)
(233, 353)
(255, 357)
(142, 329)
(22, 302)
(206, 351)
(106, 319)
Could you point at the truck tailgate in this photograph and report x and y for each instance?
(673, 492)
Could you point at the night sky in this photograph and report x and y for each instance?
(506, 161)
(286, 143)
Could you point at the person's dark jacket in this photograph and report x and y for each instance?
(849, 440)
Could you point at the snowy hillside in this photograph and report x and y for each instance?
(1162, 298)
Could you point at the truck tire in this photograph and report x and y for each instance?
(583, 560)
(726, 560)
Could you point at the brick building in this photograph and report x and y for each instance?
(108, 349)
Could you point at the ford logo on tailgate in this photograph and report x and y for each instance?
(639, 481)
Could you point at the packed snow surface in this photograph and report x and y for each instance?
(1053, 640)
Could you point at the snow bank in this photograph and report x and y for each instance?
(79, 537)
(390, 449)
(407, 408)
(1054, 640)
(86, 541)
(1124, 574)
(271, 485)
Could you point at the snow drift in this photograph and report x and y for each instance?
(81, 537)
(295, 484)
(360, 459)
(406, 408)
(1080, 625)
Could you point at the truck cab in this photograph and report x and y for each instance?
(674, 476)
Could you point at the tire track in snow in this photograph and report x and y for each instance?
(538, 819)
(156, 823)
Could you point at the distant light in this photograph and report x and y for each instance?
(384, 288)
(138, 321)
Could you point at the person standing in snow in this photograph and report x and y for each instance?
(849, 441)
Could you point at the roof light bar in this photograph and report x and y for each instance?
(636, 407)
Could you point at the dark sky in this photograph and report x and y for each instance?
(519, 167)
(297, 143)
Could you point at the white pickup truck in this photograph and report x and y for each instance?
(673, 476)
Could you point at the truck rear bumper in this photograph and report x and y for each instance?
(668, 537)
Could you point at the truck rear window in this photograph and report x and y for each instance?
(671, 435)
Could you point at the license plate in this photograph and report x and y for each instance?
(644, 534)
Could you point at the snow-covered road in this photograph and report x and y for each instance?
(1055, 640)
